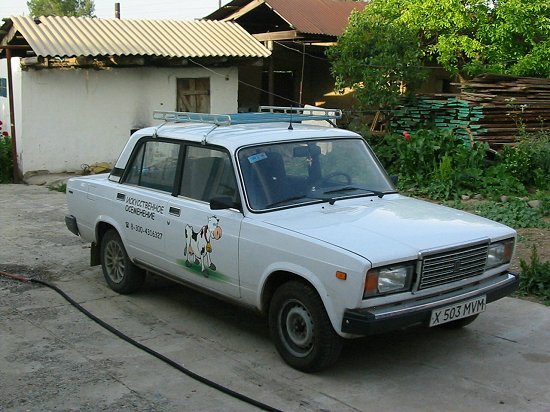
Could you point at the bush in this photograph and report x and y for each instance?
(440, 165)
(6, 161)
(535, 277)
(529, 160)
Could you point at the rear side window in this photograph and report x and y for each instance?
(154, 165)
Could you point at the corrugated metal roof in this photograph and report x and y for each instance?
(83, 36)
(316, 16)
(324, 17)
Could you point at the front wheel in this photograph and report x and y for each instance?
(301, 329)
(120, 273)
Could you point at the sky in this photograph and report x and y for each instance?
(132, 9)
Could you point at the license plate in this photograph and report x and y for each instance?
(458, 311)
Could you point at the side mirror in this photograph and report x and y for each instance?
(224, 202)
(394, 179)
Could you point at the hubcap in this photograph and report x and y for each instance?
(297, 329)
(114, 261)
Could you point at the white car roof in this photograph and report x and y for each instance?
(235, 136)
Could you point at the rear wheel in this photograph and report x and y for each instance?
(120, 273)
(301, 329)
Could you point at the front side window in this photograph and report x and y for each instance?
(154, 165)
(207, 174)
(289, 174)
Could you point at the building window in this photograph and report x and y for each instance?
(3, 87)
(193, 95)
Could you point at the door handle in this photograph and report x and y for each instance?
(174, 211)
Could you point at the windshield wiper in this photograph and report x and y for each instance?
(348, 188)
(290, 199)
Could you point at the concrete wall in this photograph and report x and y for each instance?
(72, 117)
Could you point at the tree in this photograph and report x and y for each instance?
(377, 55)
(466, 37)
(61, 8)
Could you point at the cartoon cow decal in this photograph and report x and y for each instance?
(198, 244)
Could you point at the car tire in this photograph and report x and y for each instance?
(120, 273)
(459, 323)
(301, 329)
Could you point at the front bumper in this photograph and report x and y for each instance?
(370, 321)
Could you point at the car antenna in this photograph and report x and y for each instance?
(290, 124)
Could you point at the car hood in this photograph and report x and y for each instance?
(390, 229)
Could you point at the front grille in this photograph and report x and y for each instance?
(451, 265)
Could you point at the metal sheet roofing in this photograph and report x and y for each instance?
(325, 17)
(83, 36)
(316, 16)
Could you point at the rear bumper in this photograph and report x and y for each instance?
(370, 321)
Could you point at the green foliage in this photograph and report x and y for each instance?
(75, 8)
(6, 161)
(442, 166)
(473, 36)
(529, 161)
(448, 29)
(377, 55)
(497, 181)
(434, 163)
(544, 198)
(390, 41)
(58, 187)
(518, 39)
(535, 277)
(515, 213)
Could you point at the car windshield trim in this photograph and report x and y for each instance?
(291, 199)
(300, 172)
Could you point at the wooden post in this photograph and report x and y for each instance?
(16, 177)
(271, 76)
(8, 48)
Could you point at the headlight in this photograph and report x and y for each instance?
(388, 279)
(499, 253)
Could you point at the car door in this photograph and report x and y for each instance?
(143, 199)
(202, 245)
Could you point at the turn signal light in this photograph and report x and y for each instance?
(371, 283)
(341, 275)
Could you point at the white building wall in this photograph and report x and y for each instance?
(82, 116)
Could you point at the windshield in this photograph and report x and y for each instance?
(293, 173)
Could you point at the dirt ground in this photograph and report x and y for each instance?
(540, 238)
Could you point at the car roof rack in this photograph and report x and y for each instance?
(267, 114)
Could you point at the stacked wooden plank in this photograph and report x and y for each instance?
(443, 111)
(491, 108)
(510, 105)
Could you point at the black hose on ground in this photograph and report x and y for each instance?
(144, 348)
